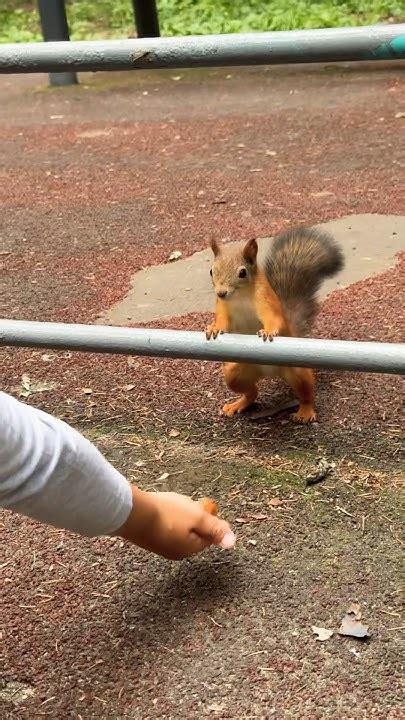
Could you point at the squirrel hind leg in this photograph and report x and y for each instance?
(302, 381)
(240, 378)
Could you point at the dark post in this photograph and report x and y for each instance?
(55, 27)
(146, 18)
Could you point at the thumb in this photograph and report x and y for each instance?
(215, 531)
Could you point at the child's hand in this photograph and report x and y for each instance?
(173, 525)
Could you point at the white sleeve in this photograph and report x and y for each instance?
(51, 473)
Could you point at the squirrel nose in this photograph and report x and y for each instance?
(222, 293)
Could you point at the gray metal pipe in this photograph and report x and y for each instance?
(379, 42)
(331, 354)
(54, 24)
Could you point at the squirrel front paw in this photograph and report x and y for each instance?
(212, 331)
(268, 334)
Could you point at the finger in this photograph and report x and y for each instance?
(214, 531)
(228, 541)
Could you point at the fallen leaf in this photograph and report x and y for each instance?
(163, 476)
(399, 115)
(174, 433)
(93, 133)
(322, 633)
(274, 410)
(354, 609)
(355, 652)
(29, 387)
(252, 542)
(127, 388)
(48, 358)
(87, 391)
(275, 502)
(175, 255)
(271, 153)
(258, 517)
(176, 77)
(323, 470)
(323, 193)
(217, 707)
(241, 521)
(353, 627)
(140, 463)
(132, 363)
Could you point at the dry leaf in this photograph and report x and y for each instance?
(48, 358)
(399, 115)
(87, 391)
(324, 468)
(322, 633)
(241, 521)
(174, 433)
(217, 707)
(323, 193)
(353, 627)
(175, 255)
(354, 609)
(274, 410)
(258, 517)
(140, 463)
(355, 652)
(275, 502)
(127, 388)
(29, 387)
(252, 542)
(163, 476)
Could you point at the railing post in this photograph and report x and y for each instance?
(54, 26)
(146, 18)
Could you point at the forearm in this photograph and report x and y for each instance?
(51, 473)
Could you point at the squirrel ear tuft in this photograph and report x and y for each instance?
(215, 247)
(250, 250)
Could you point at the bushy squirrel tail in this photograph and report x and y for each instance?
(297, 263)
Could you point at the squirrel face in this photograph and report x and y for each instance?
(233, 269)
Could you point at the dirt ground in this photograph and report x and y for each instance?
(97, 182)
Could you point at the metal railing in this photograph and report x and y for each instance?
(297, 352)
(54, 25)
(380, 42)
(366, 43)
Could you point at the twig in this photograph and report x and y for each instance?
(215, 622)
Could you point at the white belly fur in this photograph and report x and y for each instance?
(244, 321)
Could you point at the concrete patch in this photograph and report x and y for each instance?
(370, 243)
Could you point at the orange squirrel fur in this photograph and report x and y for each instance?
(278, 299)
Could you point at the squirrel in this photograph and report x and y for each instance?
(276, 299)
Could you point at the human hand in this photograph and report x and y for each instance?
(173, 525)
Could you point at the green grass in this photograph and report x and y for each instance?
(91, 19)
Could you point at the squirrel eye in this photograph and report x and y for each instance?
(211, 272)
(242, 273)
